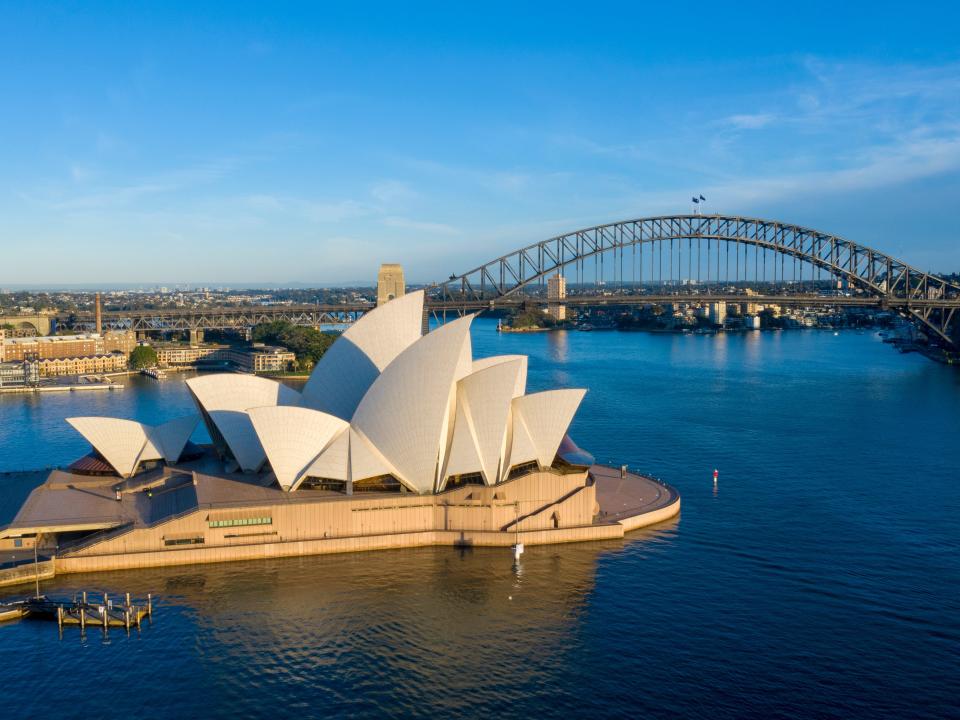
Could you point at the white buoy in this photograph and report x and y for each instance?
(517, 550)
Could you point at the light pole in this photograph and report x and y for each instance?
(36, 566)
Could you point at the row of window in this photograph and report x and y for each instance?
(240, 522)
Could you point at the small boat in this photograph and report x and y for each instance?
(12, 610)
(154, 372)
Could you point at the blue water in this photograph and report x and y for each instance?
(821, 578)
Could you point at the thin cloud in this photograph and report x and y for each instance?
(420, 225)
(754, 121)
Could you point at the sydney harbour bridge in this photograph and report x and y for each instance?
(651, 260)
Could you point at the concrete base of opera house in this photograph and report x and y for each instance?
(182, 517)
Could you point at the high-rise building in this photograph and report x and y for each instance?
(390, 283)
(718, 313)
(557, 290)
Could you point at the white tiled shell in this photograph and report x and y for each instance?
(351, 365)
(545, 417)
(463, 456)
(367, 462)
(122, 443)
(522, 447)
(406, 411)
(126, 443)
(521, 386)
(171, 437)
(292, 438)
(334, 461)
(227, 397)
(483, 412)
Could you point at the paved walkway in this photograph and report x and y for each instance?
(629, 496)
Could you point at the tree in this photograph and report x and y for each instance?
(143, 356)
(533, 318)
(308, 344)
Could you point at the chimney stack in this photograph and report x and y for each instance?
(98, 314)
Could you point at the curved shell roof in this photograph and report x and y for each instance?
(384, 400)
(126, 443)
(543, 420)
(334, 461)
(367, 462)
(521, 384)
(292, 438)
(225, 399)
(351, 365)
(483, 412)
(172, 437)
(406, 412)
(121, 442)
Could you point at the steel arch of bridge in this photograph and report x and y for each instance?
(925, 299)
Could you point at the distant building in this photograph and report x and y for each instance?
(390, 284)
(85, 365)
(259, 358)
(256, 359)
(14, 349)
(19, 374)
(556, 290)
(718, 313)
(186, 355)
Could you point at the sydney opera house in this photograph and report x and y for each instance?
(397, 439)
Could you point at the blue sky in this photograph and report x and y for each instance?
(278, 142)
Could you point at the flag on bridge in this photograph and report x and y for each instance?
(695, 200)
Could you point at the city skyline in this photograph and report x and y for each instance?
(219, 148)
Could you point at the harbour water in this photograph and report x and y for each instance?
(818, 578)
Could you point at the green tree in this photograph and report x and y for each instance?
(143, 356)
(308, 344)
(532, 319)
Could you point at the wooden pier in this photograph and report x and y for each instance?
(83, 610)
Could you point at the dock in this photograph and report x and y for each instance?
(38, 389)
(83, 610)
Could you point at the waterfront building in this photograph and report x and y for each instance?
(397, 440)
(19, 374)
(390, 283)
(84, 365)
(258, 358)
(556, 290)
(186, 355)
(717, 313)
(13, 349)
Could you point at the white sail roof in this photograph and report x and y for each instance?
(120, 442)
(483, 412)
(463, 456)
(292, 438)
(351, 365)
(171, 437)
(405, 413)
(367, 462)
(522, 447)
(521, 385)
(124, 444)
(225, 399)
(333, 462)
(544, 417)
